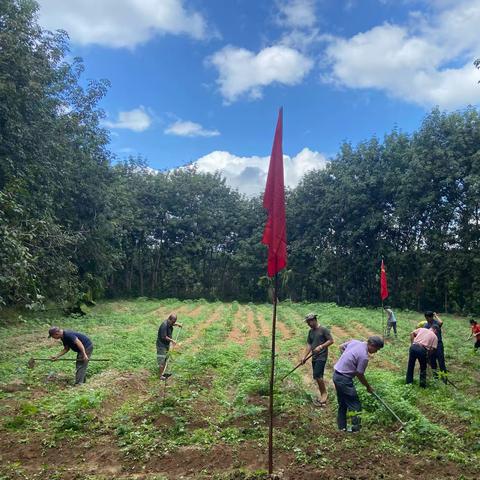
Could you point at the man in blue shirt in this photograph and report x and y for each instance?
(78, 342)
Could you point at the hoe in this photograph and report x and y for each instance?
(31, 363)
(402, 424)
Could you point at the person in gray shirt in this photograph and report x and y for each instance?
(391, 321)
(318, 340)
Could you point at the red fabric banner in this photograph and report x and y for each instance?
(275, 233)
(383, 282)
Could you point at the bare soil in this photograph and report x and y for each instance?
(264, 325)
(364, 331)
(284, 330)
(236, 335)
(252, 335)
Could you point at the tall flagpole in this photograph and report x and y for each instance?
(272, 378)
(383, 294)
(274, 236)
(383, 322)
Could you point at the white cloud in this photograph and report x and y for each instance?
(428, 62)
(242, 72)
(249, 174)
(120, 23)
(299, 20)
(296, 13)
(137, 120)
(301, 39)
(190, 129)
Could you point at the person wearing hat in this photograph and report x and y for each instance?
(318, 340)
(78, 342)
(352, 363)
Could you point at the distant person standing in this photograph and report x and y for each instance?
(475, 333)
(438, 356)
(423, 341)
(352, 363)
(78, 342)
(391, 321)
(318, 340)
(164, 339)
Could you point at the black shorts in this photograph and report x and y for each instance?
(318, 367)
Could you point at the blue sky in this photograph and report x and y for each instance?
(201, 80)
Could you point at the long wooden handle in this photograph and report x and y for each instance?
(72, 359)
(299, 365)
(388, 408)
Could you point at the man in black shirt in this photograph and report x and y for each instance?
(164, 339)
(438, 355)
(318, 340)
(79, 343)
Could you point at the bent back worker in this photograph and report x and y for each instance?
(318, 340)
(433, 320)
(79, 343)
(424, 341)
(475, 332)
(164, 339)
(391, 321)
(352, 363)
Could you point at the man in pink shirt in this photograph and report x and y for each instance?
(424, 341)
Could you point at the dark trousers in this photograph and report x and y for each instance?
(417, 352)
(390, 326)
(81, 366)
(347, 400)
(477, 345)
(438, 356)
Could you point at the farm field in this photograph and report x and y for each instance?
(210, 419)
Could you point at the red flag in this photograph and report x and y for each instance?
(383, 282)
(275, 233)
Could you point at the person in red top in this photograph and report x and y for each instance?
(424, 342)
(476, 333)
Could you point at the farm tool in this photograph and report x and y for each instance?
(300, 364)
(443, 376)
(32, 362)
(402, 424)
(165, 376)
(452, 384)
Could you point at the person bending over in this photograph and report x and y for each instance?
(352, 363)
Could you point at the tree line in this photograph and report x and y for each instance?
(76, 223)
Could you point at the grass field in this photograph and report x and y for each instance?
(210, 420)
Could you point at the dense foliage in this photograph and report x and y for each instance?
(74, 222)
